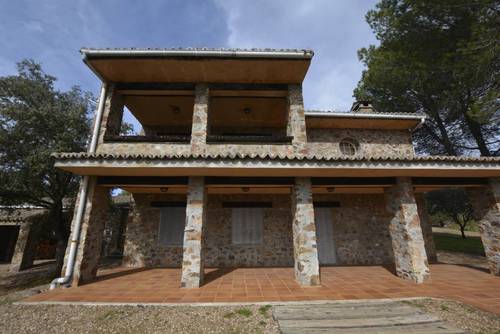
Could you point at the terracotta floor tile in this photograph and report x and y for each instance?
(278, 284)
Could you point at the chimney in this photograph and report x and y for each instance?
(362, 106)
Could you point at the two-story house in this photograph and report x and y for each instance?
(231, 171)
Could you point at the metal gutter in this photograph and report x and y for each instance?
(222, 53)
(75, 236)
(365, 115)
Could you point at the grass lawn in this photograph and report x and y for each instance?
(455, 243)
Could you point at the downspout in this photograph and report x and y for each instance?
(75, 235)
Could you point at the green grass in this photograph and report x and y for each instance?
(455, 243)
(244, 312)
(263, 310)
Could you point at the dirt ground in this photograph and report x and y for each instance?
(42, 319)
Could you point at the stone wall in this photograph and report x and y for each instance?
(486, 208)
(319, 142)
(373, 143)
(360, 227)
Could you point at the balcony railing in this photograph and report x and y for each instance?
(174, 138)
(249, 139)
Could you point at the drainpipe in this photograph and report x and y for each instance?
(75, 236)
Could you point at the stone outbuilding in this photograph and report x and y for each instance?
(231, 171)
(19, 235)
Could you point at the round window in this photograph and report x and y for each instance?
(349, 146)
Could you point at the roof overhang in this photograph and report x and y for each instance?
(198, 65)
(276, 167)
(350, 120)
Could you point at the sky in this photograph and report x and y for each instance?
(52, 32)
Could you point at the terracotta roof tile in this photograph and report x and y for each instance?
(267, 156)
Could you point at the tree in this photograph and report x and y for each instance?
(454, 204)
(441, 58)
(35, 121)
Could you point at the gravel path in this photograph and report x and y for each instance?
(131, 319)
(461, 315)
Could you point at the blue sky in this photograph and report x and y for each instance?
(52, 32)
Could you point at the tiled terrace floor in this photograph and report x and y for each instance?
(161, 285)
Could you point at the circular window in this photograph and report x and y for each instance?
(349, 146)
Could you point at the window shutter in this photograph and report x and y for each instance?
(247, 226)
(172, 220)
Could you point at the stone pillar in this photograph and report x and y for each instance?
(296, 125)
(407, 240)
(425, 224)
(199, 128)
(94, 219)
(112, 114)
(192, 259)
(27, 241)
(305, 250)
(486, 209)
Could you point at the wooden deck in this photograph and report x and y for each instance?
(359, 318)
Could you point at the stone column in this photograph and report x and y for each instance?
(27, 241)
(112, 114)
(199, 128)
(192, 259)
(486, 209)
(305, 250)
(425, 224)
(296, 125)
(407, 240)
(94, 219)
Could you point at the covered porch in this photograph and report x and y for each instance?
(189, 223)
(268, 285)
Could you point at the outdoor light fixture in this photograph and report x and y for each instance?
(330, 189)
(163, 189)
(247, 110)
(245, 189)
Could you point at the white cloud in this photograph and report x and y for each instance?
(335, 30)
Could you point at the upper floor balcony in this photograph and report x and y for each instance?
(235, 113)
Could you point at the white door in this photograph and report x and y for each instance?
(324, 235)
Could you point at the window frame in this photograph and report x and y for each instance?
(159, 239)
(353, 144)
(260, 238)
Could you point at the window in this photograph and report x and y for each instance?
(172, 220)
(349, 146)
(247, 226)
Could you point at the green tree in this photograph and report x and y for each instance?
(441, 58)
(452, 203)
(35, 121)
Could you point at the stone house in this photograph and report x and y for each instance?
(19, 235)
(231, 171)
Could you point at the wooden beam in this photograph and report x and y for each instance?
(353, 181)
(449, 181)
(141, 180)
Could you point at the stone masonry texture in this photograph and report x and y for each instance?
(320, 142)
(407, 240)
(296, 125)
(192, 261)
(200, 118)
(425, 224)
(89, 247)
(360, 232)
(486, 208)
(27, 240)
(304, 234)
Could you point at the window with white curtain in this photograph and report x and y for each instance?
(172, 220)
(247, 226)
